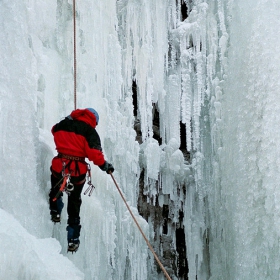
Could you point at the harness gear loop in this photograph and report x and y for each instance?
(91, 187)
(147, 241)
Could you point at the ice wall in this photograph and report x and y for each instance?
(21, 193)
(25, 257)
(118, 43)
(174, 63)
(177, 59)
(246, 190)
(199, 95)
(36, 92)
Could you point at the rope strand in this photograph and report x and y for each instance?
(147, 241)
(75, 63)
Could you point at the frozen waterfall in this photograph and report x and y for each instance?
(187, 93)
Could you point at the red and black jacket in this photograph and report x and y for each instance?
(76, 136)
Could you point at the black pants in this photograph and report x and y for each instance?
(74, 199)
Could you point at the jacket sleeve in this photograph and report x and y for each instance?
(93, 148)
(95, 155)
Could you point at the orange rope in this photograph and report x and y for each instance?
(62, 187)
(147, 241)
(75, 66)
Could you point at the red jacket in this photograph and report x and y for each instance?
(76, 136)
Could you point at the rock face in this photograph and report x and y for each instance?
(168, 236)
(167, 231)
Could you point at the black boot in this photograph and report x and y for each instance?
(55, 217)
(56, 208)
(73, 246)
(73, 234)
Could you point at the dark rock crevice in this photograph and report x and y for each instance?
(169, 237)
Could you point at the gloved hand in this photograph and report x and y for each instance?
(108, 167)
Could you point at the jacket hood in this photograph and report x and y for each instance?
(84, 115)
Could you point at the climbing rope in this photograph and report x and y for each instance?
(147, 241)
(75, 63)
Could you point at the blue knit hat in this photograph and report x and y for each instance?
(95, 113)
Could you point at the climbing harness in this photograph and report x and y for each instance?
(71, 157)
(147, 241)
(67, 186)
(91, 187)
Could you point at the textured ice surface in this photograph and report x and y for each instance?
(211, 65)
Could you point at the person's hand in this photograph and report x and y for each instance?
(108, 167)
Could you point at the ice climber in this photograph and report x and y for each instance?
(75, 138)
